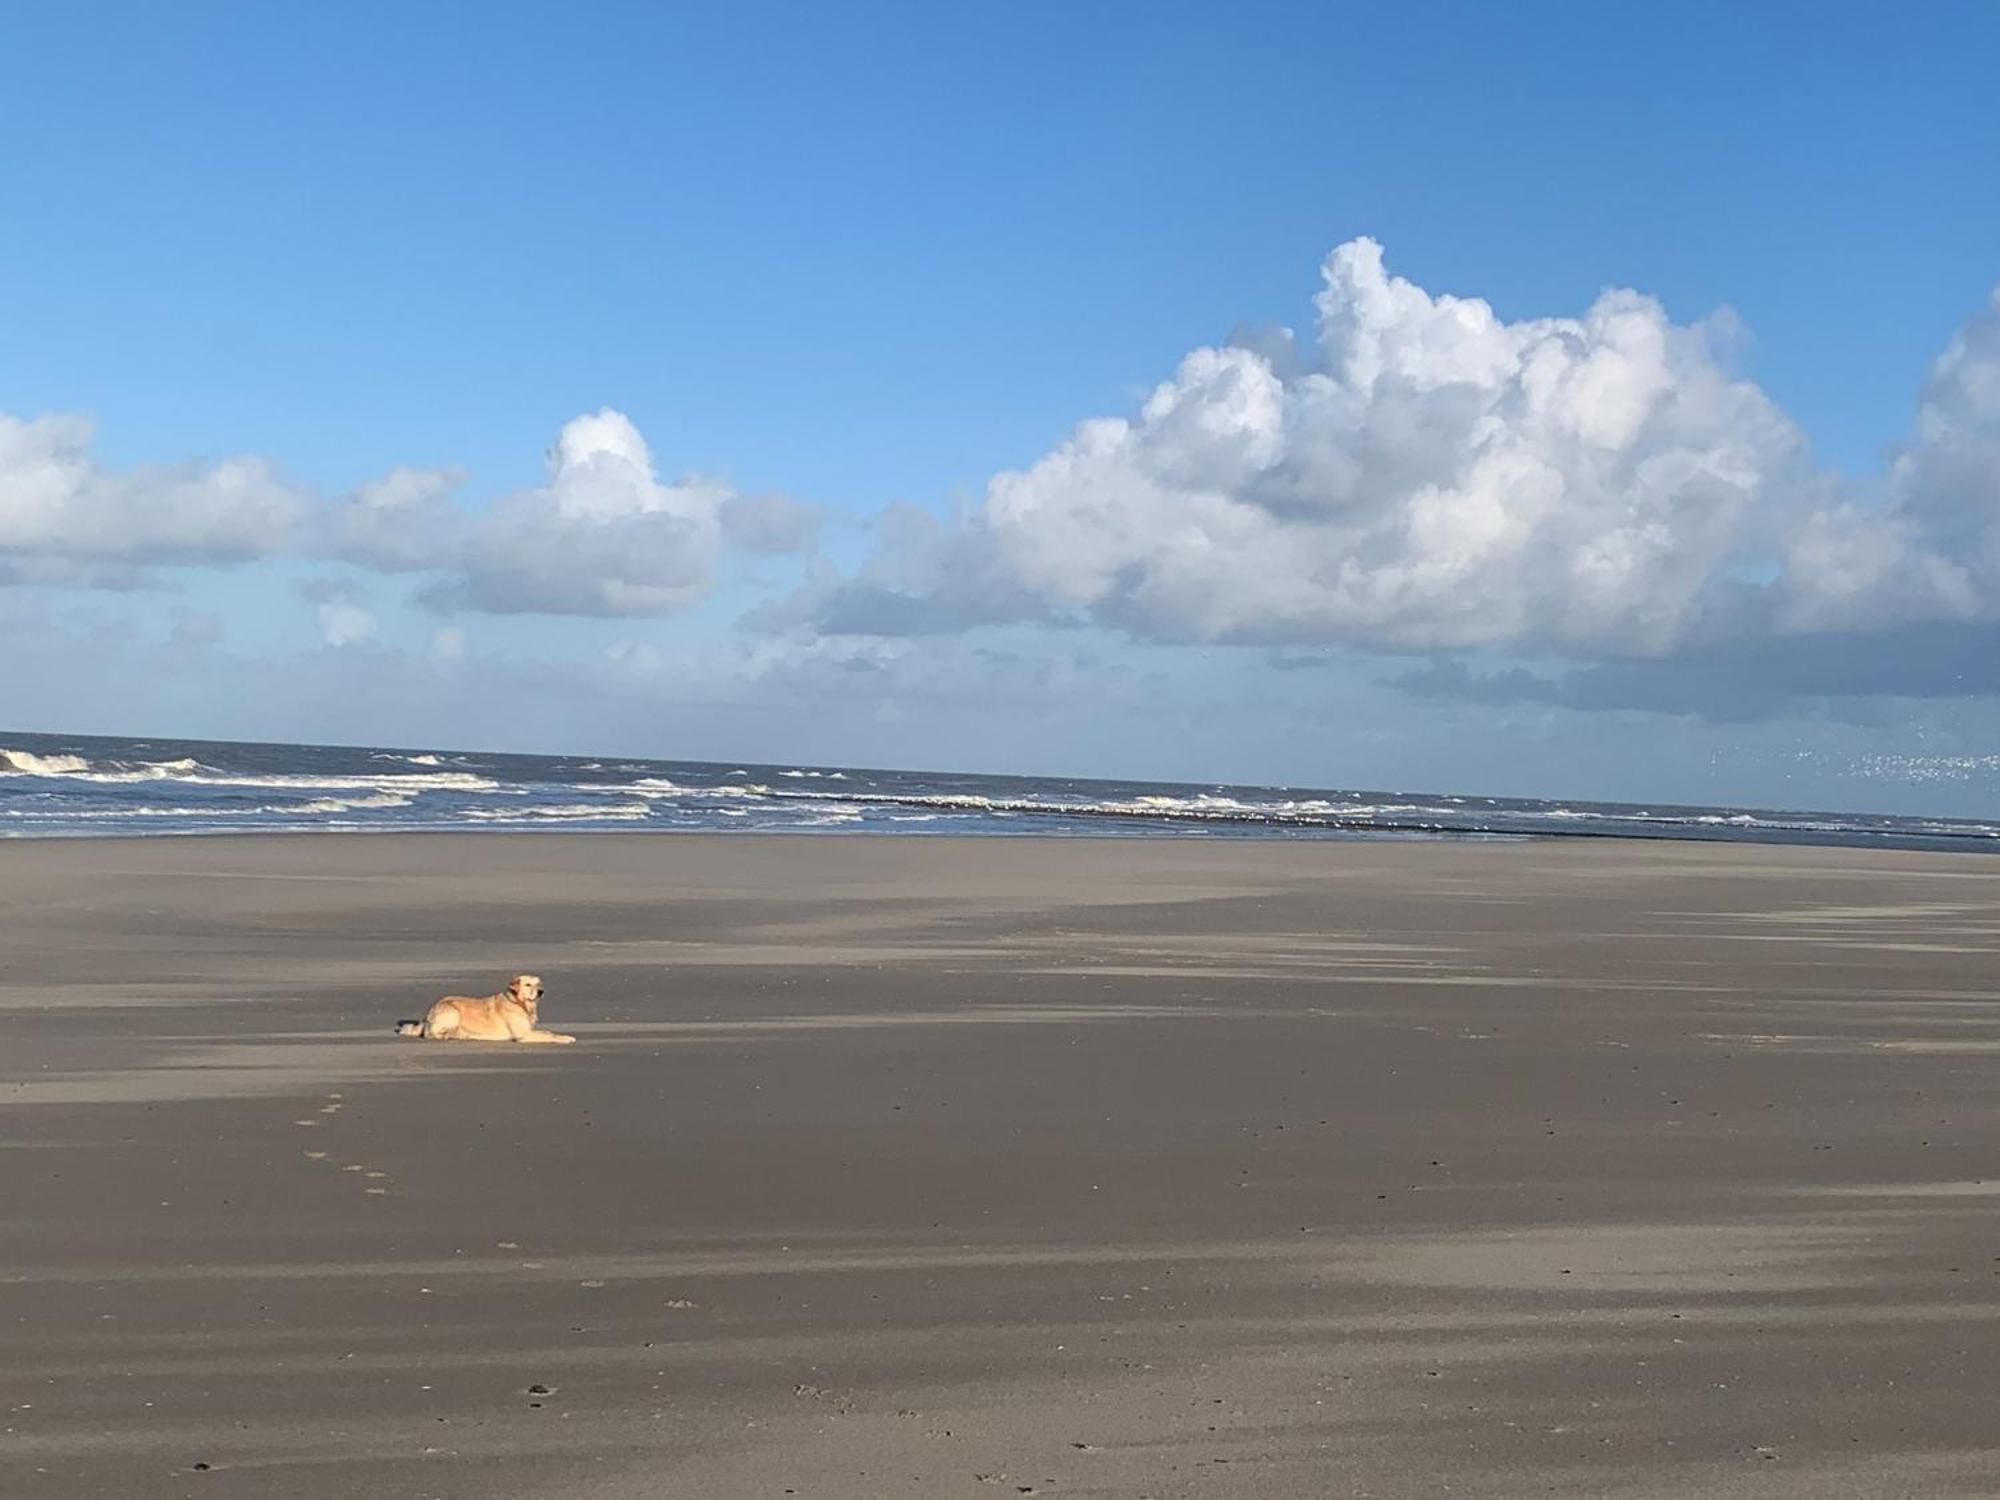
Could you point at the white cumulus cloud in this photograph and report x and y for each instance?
(60, 510)
(1932, 552)
(1423, 474)
(603, 535)
(403, 522)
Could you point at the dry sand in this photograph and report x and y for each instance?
(942, 1168)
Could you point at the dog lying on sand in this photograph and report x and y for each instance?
(509, 1016)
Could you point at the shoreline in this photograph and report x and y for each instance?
(1234, 832)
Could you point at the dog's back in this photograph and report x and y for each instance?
(461, 1015)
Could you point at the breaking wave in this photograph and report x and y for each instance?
(534, 813)
(349, 804)
(76, 768)
(27, 763)
(660, 786)
(454, 781)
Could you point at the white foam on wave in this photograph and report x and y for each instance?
(1191, 811)
(114, 772)
(345, 804)
(27, 763)
(387, 781)
(1202, 807)
(798, 809)
(660, 786)
(819, 815)
(195, 810)
(1216, 805)
(67, 815)
(558, 811)
(76, 768)
(1206, 805)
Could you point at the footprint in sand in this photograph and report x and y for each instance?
(335, 1103)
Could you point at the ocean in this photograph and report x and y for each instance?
(68, 785)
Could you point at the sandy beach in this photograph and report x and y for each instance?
(991, 1167)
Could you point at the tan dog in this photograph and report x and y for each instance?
(509, 1016)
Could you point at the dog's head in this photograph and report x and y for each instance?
(527, 989)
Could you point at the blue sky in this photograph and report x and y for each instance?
(872, 257)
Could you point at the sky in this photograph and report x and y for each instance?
(1548, 400)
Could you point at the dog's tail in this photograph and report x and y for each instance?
(409, 1028)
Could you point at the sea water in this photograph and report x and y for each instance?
(69, 785)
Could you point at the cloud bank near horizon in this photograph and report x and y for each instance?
(603, 535)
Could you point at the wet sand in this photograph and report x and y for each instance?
(901, 1167)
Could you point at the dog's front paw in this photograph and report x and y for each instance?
(564, 1039)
